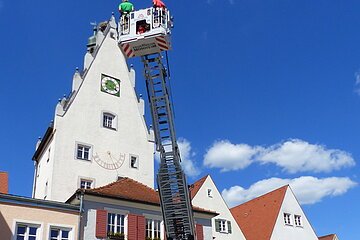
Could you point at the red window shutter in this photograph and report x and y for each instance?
(199, 232)
(132, 227)
(101, 221)
(140, 227)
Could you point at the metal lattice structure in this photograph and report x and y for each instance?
(174, 193)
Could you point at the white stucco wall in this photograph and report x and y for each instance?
(82, 123)
(285, 232)
(217, 204)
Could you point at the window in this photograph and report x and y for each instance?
(287, 218)
(298, 221)
(222, 226)
(46, 189)
(26, 232)
(48, 155)
(86, 184)
(109, 121)
(134, 161)
(153, 229)
(209, 193)
(115, 224)
(59, 234)
(83, 152)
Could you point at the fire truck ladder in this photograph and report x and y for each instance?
(174, 193)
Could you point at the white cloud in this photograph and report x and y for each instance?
(292, 156)
(357, 82)
(307, 189)
(187, 158)
(228, 156)
(299, 156)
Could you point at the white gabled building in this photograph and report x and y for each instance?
(99, 132)
(276, 215)
(205, 194)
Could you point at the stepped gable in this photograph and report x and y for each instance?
(195, 187)
(129, 189)
(257, 217)
(328, 237)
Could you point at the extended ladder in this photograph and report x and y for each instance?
(174, 193)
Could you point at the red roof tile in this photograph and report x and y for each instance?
(129, 189)
(257, 217)
(328, 237)
(195, 187)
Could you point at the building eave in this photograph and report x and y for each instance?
(38, 203)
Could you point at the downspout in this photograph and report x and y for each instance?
(80, 213)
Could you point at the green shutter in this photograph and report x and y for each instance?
(217, 225)
(229, 226)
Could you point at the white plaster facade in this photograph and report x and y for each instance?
(216, 203)
(79, 120)
(284, 231)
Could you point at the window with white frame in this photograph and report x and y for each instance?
(134, 161)
(59, 233)
(83, 152)
(298, 221)
(223, 226)
(27, 232)
(153, 229)
(109, 120)
(209, 192)
(115, 224)
(287, 218)
(86, 184)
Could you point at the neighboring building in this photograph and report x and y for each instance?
(276, 215)
(99, 131)
(129, 210)
(205, 194)
(329, 237)
(29, 219)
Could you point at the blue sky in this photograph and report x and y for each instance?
(266, 93)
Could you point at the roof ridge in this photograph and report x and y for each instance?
(106, 186)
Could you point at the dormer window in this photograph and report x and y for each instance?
(109, 121)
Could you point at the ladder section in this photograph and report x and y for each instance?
(174, 193)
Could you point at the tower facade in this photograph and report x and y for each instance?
(99, 131)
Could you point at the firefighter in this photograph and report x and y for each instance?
(158, 4)
(126, 7)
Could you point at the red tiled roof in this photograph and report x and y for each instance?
(257, 217)
(195, 187)
(129, 189)
(328, 237)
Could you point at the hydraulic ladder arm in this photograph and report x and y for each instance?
(173, 189)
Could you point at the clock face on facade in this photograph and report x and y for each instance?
(110, 85)
(109, 161)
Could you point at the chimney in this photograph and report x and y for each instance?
(4, 183)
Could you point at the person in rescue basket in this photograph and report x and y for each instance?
(158, 4)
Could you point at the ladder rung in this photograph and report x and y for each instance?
(164, 129)
(163, 122)
(155, 76)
